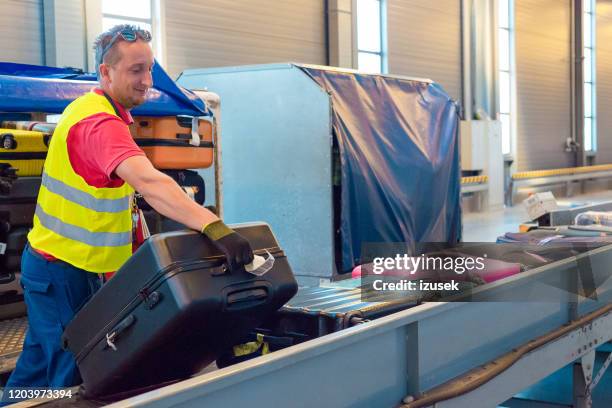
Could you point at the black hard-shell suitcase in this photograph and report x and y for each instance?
(11, 297)
(190, 181)
(18, 207)
(16, 241)
(10, 287)
(171, 309)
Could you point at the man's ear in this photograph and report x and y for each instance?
(104, 72)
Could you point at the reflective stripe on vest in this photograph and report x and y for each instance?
(85, 199)
(97, 239)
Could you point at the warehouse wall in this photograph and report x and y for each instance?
(237, 32)
(65, 33)
(543, 83)
(424, 40)
(21, 31)
(604, 81)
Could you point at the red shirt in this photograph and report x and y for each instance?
(97, 145)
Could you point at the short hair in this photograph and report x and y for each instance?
(111, 55)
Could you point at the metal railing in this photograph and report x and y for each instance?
(554, 176)
(476, 185)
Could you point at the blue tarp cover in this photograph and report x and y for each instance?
(33, 88)
(399, 154)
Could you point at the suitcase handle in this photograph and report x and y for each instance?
(195, 137)
(7, 278)
(276, 252)
(123, 325)
(246, 298)
(192, 122)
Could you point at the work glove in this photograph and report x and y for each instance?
(237, 250)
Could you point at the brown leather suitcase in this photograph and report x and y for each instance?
(168, 142)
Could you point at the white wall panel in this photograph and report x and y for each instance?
(604, 81)
(238, 32)
(543, 83)
(21, 31)
(424, 41)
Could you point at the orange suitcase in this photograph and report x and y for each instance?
(169, 144)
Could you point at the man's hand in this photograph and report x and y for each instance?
(237, 250)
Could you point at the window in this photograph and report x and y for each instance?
(505, 66)
(141, 13)
(588, 72)
(370, 56)
(136, 12)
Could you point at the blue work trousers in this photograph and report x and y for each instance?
(54, 291)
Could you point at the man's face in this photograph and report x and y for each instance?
(128, 79)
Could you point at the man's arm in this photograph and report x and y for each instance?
(167, 198)
(163, 193)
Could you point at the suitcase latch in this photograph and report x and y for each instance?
(150, 299)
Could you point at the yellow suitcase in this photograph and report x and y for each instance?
(24, 150)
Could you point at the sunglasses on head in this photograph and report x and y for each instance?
(130, 35)
(127, 34)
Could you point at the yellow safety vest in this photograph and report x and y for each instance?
(87, 227)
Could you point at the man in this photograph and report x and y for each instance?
(83, 221)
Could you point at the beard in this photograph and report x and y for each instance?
(132, 102)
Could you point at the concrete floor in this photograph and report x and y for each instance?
(486, 226)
